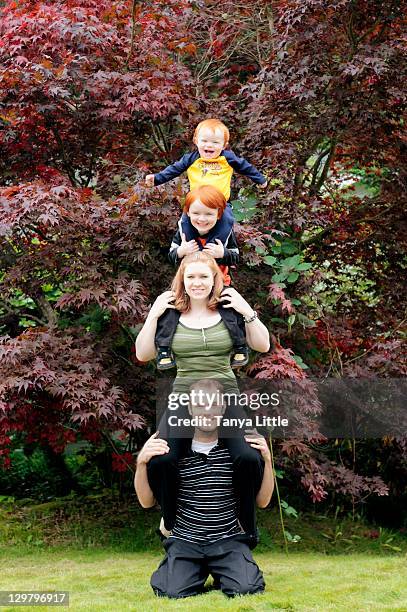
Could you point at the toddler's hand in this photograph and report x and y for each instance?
(187, 247)
(149, 180)
(263, 185)
(216, 250)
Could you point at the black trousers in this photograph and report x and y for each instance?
(167, 324)
(248, 470)
(187, 565)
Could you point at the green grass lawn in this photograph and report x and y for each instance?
(103, 551)
(110, 580)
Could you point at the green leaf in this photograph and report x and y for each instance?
(290, 511)
(395, 548)
(291, 262)
(291, 278)
(298, 360)
(26, 322)
(279, 277)
(270, 260)
(291, 538)
(305, 321)
(291, 320)
(289, 248)
(304, 266)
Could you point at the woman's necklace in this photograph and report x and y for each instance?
(202, 330)
(204, 337)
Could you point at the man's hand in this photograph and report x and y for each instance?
(216, 250)
(153, 447)
(187, 247)
(149, 180)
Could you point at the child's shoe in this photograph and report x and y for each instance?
(240, 357)
(165, 359)
(163, 530)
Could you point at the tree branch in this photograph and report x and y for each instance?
(45, 307)
(315, 169)
(133, 32)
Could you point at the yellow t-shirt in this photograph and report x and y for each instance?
(216, 172)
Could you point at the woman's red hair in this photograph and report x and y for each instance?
(209, 196)
(182, 301)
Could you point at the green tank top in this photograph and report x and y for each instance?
(203, 353)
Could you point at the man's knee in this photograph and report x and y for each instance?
(243, 589)
(249, 583)
(242, 575)
(174, 589)
(174, 594)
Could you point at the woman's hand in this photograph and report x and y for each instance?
(257, 335)
(215, 250)
(236, 301)
(187, 247)
(161, 304)
(259, 443)
(153, 447)
(149, 180)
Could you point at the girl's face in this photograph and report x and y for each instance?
(198, 280)
(202, 217)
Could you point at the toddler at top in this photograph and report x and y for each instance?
(210, 164)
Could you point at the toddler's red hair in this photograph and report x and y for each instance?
(212, 124)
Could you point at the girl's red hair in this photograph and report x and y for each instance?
(209, 196)
(182, 301)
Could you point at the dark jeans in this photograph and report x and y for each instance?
(248, 470)
(167, 324)
(187, 565)
(221, 229)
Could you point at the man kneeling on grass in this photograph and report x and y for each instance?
(207, 537)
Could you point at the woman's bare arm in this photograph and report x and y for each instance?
(142, 487)
(257, 335)
(145, 345)
(263, 497)
(265, 492)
